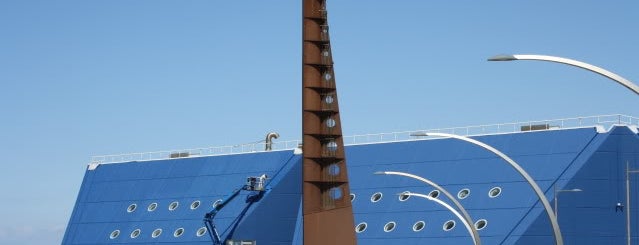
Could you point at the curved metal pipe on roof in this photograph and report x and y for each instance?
(269, 140)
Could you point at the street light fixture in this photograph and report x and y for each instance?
(625, 82)
(556, 194)
(469, 227)
(540, 194)
(628, 172)
(461, 208)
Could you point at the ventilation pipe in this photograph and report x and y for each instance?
(269, 140)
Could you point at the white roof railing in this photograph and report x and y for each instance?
(606, 121)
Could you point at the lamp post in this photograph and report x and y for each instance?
(461, 208)
(628, 172)
(625, 82)
(556, 194)
(540, 194)
(470, 227)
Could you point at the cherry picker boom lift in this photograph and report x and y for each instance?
(256, 188)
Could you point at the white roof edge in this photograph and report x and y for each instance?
(92, 166)
(601, 129)
(598, 122)
(632, 128)
(192, 156)
(597, 128)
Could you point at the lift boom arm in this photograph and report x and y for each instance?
(253, 184)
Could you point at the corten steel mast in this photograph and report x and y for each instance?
(328, 215)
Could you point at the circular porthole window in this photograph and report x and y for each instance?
(333, 169)
(494, 192)
(449, 225)
(173, 206)
(418, 226)
(352, 197)
(434, 194)
(135, 233)
(156, 233)
(330, 123)
(114, 234)
(335, 193)
(179, 232)
(331, 146)
(131, 208)
(404, 196)
(376, 197)
(195, 205)
(463, 193)
(327, 76)
(329, 99)
(390, 226)
(152, 207)
(201, 231)
(481, 224)
(361, 227)
(218, 202)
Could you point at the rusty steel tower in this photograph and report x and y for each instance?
(328, 214)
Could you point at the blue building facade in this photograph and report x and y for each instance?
(165, 201)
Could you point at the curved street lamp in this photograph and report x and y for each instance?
(556, 193)
(461, 208)
(553, 219)
(469, 227)
(625, 82)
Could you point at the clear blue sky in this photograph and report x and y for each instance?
(83, 78)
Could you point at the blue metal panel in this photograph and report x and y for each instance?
(455, 165)
(110, 189)
(275, 218)
(599, 173)
(575, 158)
